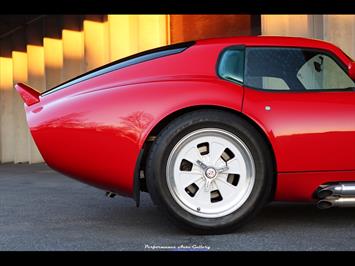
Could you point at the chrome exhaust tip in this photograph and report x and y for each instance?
(340, 189)
(336, 202)
(336, 195)
(324, 193)
(324, 204)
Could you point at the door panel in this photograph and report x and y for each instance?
(309, 131)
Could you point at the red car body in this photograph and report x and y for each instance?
(94, 130)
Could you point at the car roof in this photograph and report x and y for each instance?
(262, 40)
(267, 40)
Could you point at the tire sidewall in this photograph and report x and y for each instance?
(157, 178)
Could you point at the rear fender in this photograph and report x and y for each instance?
(96, 135)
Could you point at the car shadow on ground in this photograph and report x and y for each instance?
(275, 215)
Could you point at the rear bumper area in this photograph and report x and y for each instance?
(74, 140)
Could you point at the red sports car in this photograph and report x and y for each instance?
(212, 129)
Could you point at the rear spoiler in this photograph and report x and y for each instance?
(29, 95)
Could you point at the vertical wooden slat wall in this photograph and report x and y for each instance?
(57, 49)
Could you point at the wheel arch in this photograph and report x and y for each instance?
(139, 182)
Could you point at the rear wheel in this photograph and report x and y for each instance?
(210, 170)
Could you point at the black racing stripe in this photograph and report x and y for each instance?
(124, 62)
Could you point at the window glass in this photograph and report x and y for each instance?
(322, 72)
(277, 68)
(272, 83)
(231, 65)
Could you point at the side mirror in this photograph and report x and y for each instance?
(352, 70)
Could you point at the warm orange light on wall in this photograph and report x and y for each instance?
(35, 57)
(285, 25)
(19, 66)
(6, 110)
(73, 44)
(123, 35)
(20, 131)
(36, 79)
(43, 67)
(96, 44)
(129, 34)
(53, 52)
(6, 75)
(152, 31)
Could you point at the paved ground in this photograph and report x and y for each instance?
(43, 210)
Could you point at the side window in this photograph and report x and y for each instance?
(295, 69)
(321, 73)
(231, 65)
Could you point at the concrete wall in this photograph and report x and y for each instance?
(340, 30)
(337, 29)
(56, 48)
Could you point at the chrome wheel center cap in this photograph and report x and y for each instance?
(211, 173)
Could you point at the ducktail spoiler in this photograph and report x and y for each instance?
(29, 95)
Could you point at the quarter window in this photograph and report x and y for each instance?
(276, 68)
(231, 65)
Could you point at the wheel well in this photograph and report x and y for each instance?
(164, 122)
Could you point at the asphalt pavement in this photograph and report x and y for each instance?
(41, 209)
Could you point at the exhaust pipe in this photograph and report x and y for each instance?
(336, 195)
(340, 190)
(336, 202)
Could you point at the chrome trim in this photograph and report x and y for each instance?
(341, 190)
(336, 202)
(336, 195)
(232, 197)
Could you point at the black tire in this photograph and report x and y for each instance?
(180, 127)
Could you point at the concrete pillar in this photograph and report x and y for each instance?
(152, 31)
(53, 50)
(95, 42)
(6, 109)
(123, 35)
(340, 30)
(286, 25)
(73, 47)
(315, 24)
(130, 34)
(53, 61)
(337, 29)
(20, 74)
(36, 72)
(21, 132)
